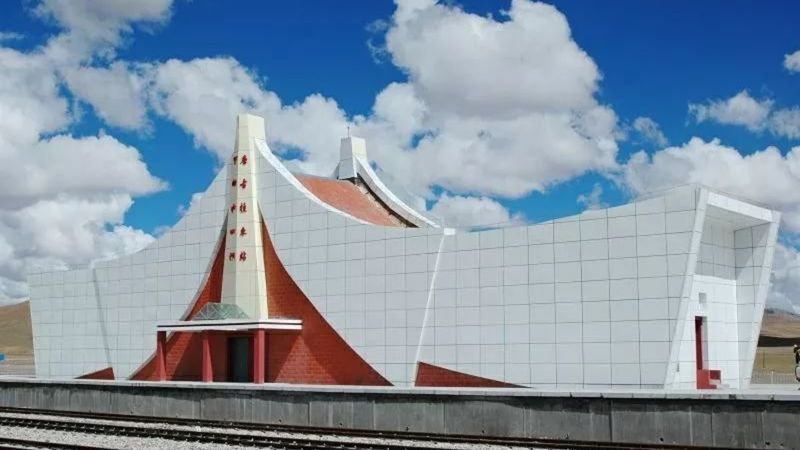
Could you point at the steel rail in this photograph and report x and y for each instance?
(420, 437)
(213, 437)
(26, 444)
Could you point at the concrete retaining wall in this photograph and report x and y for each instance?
(753, 420)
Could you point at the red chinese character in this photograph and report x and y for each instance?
(243, 256)
(232, 231)
(233, 183)
(244, 160)
(231, 256)
(243, 208)
(243, 184)
(243, 232)
(235, 158)
(233, 207)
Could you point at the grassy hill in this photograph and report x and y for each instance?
(778, 324)
(16, 338)
(779, 331)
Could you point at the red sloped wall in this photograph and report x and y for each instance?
(429, 375)
(102, 374)
(316, 354)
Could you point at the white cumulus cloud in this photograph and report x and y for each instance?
(792, 61)
(117, 93)
(786, 122)
(490, 107)
(10, 36)
(754, 114)
(63, 197)
(650, 130)
(764, 176)
(91, 25)
(784, 292)
(465, 211)
(499, 107)
(741, 109)
(593, 199)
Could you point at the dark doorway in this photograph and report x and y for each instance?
(239, 350)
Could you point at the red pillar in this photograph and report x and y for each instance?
(161, 355)
(259, 338)
(208, 374)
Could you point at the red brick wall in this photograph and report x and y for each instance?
(316, 354)
(184, 354)
(429, 375)
(102, 374)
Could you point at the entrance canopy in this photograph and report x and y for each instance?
(232, 325)
(228, 317)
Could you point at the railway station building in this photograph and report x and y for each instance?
(280, 277)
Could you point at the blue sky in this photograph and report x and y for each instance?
(653, 60)
(656, 58)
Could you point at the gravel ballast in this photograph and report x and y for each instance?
(126, 442)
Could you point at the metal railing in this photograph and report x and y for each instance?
(773, 377)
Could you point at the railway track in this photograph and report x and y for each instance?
(25, 444)
(306, 437)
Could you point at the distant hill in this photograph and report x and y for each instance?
(779, 329)
(16, 338)
(781, 324)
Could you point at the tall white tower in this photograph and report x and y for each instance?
(244, 279)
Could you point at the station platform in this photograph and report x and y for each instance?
(756, 418)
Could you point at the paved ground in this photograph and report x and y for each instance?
(775, 387)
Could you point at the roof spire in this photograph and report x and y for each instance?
(351, 147)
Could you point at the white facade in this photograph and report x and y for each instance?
(604, 299)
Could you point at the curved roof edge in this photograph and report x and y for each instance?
(389, 198)
(272, 160)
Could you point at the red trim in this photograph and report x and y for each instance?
(208, 371)
(259, 341)
(698, 343)
(429, 375)
(102, 374)
(705, 378)
(708, 378)
(316, 354)
(161, 355)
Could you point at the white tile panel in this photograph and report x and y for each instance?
(621, 226)
(566, 231)
(594, 249)
(567, 251)
(540, 234)
(593, 229)
(650, 224)
(622, 247)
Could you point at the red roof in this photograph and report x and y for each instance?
(347, 197)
